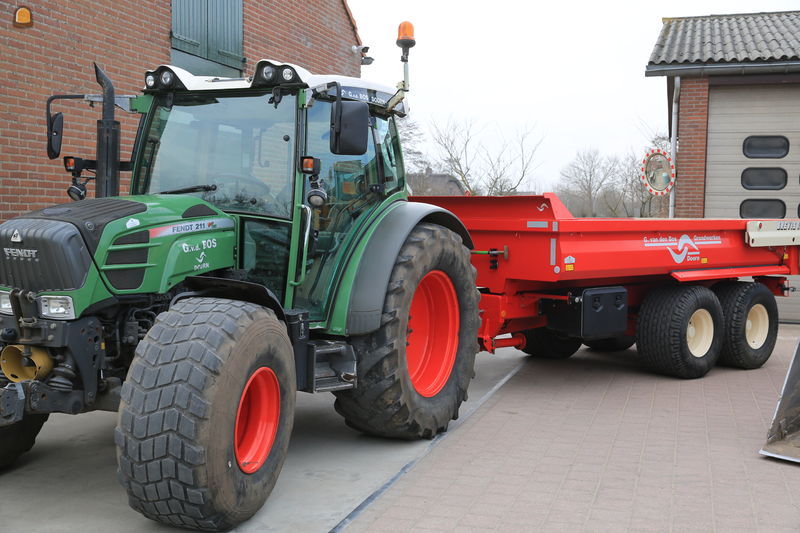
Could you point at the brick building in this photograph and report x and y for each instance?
(737, 79)
(54, 55)
(738, 112)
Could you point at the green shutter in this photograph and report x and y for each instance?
(211, 29)
(225, 22)
(190, 26)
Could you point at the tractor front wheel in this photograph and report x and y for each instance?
(206, 414)
(414, 371)
(18, 438)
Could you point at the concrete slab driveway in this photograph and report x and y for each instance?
(68, 483)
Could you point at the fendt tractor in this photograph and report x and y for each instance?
(269, 245)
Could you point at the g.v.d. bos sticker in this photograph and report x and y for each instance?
(684, 248)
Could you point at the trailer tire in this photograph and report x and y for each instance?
(206, 414)
(19, 438)
(410, 383)
(679, 332)
(549, 344)
(751, 323)
(613, 344)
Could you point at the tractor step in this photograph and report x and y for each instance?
(334, 365)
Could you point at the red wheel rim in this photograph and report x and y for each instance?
(257, 420)
(432, 338)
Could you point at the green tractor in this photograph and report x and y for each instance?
(267, 246)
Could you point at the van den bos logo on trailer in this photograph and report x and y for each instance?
(683, 248)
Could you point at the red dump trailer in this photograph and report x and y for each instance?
(672, 286)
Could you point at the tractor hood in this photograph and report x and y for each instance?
(139, 244)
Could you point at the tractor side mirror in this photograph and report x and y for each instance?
(55, 127)
(349, 127)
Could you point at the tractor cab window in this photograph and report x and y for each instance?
(241, 145)
(349, 182)
(389, 143)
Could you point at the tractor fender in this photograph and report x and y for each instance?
(375, 267)
(232, 289)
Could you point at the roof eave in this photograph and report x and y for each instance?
(721, 69)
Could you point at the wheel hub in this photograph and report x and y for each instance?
(257, 420)
(700, 333)
(757, 326)
(432, 337)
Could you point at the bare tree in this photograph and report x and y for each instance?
(585, 177)
(457, 145)
(414, 140)
(497, 171)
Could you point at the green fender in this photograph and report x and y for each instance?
(373, 269)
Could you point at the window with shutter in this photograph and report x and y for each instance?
(207, 36)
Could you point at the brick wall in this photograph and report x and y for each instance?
(692, 136)
(126, 38)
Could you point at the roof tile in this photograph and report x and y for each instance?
(747, 37)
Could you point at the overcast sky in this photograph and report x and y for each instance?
(573, 69)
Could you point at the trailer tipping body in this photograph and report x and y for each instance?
(530, 251)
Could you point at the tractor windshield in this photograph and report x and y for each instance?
(234, 151)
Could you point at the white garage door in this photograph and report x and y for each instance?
(753, 160)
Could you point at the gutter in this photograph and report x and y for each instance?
(718, 69)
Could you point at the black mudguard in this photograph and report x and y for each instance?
(372, 278)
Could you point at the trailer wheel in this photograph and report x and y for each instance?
(206, 414)
(549, 344)
(613, 344)
(751, 323)
(414, 371)
(679, 332)
(19, 438)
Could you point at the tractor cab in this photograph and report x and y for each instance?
(301, 162)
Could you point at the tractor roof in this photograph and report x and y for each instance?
(215, 83)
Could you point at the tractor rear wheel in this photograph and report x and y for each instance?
(549, 344)
(613, 344)
(679, 332)
(751, 323)
(414, 371)
(206, 414)
(18, 438)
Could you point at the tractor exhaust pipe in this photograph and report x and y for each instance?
(107, 141)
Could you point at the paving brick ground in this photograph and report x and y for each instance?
(596, 443)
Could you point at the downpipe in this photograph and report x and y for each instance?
(108, 144)
(673, 141)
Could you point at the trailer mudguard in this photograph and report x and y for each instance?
(375, 267)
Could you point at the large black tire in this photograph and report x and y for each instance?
(750, 331)
(613, 344)
(177, 436)
(386, 401)
(549, 344)
(679, 332)
(19, 438)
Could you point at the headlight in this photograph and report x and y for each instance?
(166, 78)
(59, 307)
(287, 74)
(268, 73)
(150, 81)
(5, 303)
